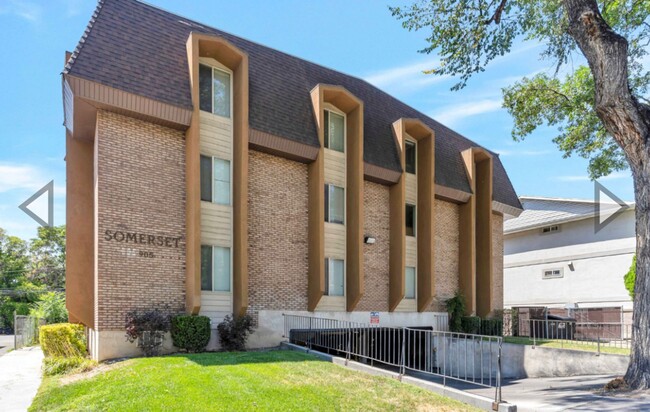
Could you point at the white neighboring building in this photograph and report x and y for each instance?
(553, 256)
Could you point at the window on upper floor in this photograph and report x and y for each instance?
(552, 273)
(215, 90)
(334, 131)
(215, 268)
(409, 279)
(334, 277)
(550, 229)
(215, 180)
(410, 220)
(334, 204)
(410, 157)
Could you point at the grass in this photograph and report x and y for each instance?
(265, 381)
(550, 343)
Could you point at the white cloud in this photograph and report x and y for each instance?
(24, 9)
(406, 77)
(450, 115)
(72, 7)
(19, 176)
(585, 178)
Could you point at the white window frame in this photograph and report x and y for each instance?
(212, 181)
(415, 280)
(329, 199)
(215, 65)
(330, 109)
(415, 144)
(551, 273)
(547, 230)
(329, 265)
(222, 292)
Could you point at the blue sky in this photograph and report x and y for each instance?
(360, 38)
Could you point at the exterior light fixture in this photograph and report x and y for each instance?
(369, 240)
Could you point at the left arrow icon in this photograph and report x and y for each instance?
(49, 188)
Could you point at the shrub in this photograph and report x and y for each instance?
(191, 332)
(630, 278)
(471, 324)
(63, 340)
(456, 309)
(492, 327)
(51, 307)
(62, 366)
(233, 332)
(148, 328)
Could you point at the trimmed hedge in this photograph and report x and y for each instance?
(191, 332)
(471, 324)
(65, 340)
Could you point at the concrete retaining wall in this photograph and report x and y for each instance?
(524, 361)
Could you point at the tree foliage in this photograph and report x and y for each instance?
(630, 278)
(13, 260)
(469, 34)
(48, 257)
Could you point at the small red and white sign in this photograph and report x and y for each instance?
(374, 318)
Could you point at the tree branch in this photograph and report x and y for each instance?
(496, 17)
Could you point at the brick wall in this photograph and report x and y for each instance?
(376, 257)
(141, 189)
(497, 263)
(277, 233)
(446, 253)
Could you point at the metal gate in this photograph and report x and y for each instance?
(26, 330)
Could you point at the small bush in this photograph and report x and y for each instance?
(191, 332)
(63, 340)
(630, 278)
(471, 324)
(233, 332)
(63, 366)
(148, 328)
(492, 327)
(51, 307)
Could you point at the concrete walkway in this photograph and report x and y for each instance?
(579, 393)
(20, 377)
(6, 343)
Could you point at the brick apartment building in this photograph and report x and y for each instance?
(213, 175)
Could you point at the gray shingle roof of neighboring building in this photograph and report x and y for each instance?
(540, 212)
(141, 49)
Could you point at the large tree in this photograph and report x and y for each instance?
(599, 108)
(13, 260)
(48, 257)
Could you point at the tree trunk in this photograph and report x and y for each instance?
(628, 122)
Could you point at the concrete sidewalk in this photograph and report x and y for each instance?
(579, 393)
(6, 343)
(20, 377)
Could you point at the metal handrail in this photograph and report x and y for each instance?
(464, 357)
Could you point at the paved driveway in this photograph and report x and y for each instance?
(20, 377)
(579, 393)
(6, 343)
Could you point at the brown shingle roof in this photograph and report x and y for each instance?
(141, 49)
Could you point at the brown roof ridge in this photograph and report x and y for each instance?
(84, 36)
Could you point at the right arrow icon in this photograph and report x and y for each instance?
(607, 206)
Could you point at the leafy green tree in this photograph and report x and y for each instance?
(51, 307)
(630, 278)
(47, 254)
(13, 260)
(600, 108)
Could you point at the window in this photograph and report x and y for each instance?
(334, 277)
(553, 273)
(214, 90)
(215, 180)
(409, 157)
(334, 131)
(410, 220)
(410, 282)
(215, 268)
(334, 204)
(551, 229)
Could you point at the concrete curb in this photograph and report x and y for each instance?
(456, 394)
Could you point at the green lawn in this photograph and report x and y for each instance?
(586, 346)
(275, 381)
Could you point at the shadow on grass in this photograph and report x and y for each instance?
(242, 358)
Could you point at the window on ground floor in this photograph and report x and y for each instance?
(215, 268)
(410, 276)
(334, 277)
